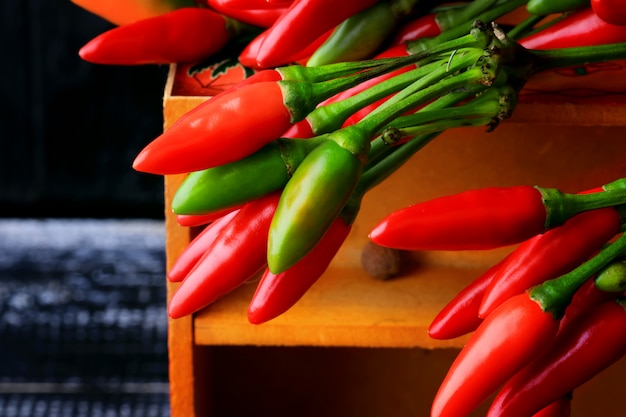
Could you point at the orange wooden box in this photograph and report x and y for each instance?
(356, 346)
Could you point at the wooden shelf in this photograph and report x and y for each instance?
(346, 308)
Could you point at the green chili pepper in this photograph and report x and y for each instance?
(311, 200)
(241, 181)
(357, 37)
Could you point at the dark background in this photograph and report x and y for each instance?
(70, 129)
(83, 321)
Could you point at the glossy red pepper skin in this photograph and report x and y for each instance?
(559, 408)
(183, 35)
(123, 12)
(194, 220)
(484, 218)
(246, 4)
(236, 255)
(580, 28)
(360, 36)
(584, 299)
(581, 350)
(248, 56)
(503, 343)
(218, 131)
(303, 23)
(611, 11)
(192, 253)
(551, 254)
(425, 26)
(257, 16)
(277, 293)
(460, 315)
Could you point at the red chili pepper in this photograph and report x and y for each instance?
(581, 350)
(262, 17)
(586, 298)
(246, 4)
(123, 12)
(551, 254)
(579, 28)
(425, 26)
(236, 255)
(460, 315)
(303, 23)
(559, 408)
(276, 293)
(484, 218)
(183, 35)
(193, 220)
(611, 11)
(218, 131)
(224, 130)
(503, 343)
(197, 247)
(248, 56)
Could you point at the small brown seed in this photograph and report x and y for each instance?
(380, 262)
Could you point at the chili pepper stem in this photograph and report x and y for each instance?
(488, 109)
(368, 127)
(562, 206)
(293, 151)
(543, 60)
(555, 295)
(331, 117)
(523, 27)
(420, 93)
(304, 97)
(460, 29)
(465, 13)
(380, 150)
(330, 71)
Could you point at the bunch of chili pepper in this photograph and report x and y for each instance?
(526, 308)
(318, 175)
(346, 100)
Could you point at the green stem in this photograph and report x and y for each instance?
(379, 150)
(524, 27)
(303, 97)
(619, 183)
(543, 60)
(561, 206)
(555, 295)
(493, 104)
(330, 71)
(459, 30)
(422, 91)
(356, 138)
(464, 14)
(394, 135)
(330, 117)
